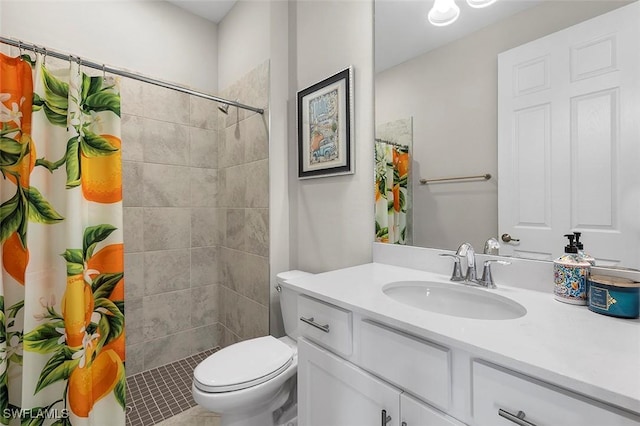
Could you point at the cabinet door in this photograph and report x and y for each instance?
(416, 413)
(498, 393)
(332, 392)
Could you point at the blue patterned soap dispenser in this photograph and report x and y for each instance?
(584, 256)
(571, 273)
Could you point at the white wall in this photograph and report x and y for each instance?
(451, 93)
(332, 218)
(154, 38)
(244, 40)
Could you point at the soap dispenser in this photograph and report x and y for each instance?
(570, 273)
(581, 253)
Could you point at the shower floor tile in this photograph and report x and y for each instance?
(161, 393)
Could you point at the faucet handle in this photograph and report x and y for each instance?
(487, 278)
(456, 275)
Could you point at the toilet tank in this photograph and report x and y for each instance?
(289, 302)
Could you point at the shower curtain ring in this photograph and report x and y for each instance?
(44, 58)
(104, 75)
(20, 48)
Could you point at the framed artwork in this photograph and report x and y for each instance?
(325, 126)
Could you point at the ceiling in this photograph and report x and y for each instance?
(401, 27)
(213, 10)
(403, 32)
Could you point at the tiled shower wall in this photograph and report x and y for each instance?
(243, 198)
(170, 185)
(196, 220)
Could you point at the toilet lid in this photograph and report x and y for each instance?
(243, 365)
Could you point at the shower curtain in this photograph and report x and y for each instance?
(391, 192)
(62, 286)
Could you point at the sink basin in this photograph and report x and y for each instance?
(454, 299)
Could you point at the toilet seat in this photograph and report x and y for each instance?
(243, 365)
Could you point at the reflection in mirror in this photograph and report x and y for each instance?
(559, 115)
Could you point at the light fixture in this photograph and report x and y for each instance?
(479, 4)
(443, 12)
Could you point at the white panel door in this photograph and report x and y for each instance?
(332, 392)
(569, 140)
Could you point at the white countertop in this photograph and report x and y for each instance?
(563, 344)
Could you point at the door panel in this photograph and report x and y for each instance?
(568, 132)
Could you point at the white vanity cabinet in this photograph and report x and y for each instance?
(416, 413)
(334, 388)
(500, 395)
(334, 392)
(353, 371)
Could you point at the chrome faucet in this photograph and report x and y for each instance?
(466, 251)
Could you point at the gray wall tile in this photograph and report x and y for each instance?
(166, 313)
(257, 187)
(256, 275)
(166, 186)
(135, 359)
(255, 131)
(257, 231)
(131, 97)
(131, 131)
(204, 266)
(133, 229)
(231, 147)
(204, 227)
(204, 187)
(165, 104)
(133, 275)
(203, 148)
(166, 228)
(236, 229)
(132, 184)
(246, 274)
(165, 143)
(235, 185)
(166, 270)
(134, 317)
(243, 316)
(204, 338)
(204, 305)
(203, 113)
(226, 337)
(167, 349)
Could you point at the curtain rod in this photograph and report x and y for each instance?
(27, 46)
(392, 143)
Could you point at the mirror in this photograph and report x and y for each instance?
(445, 81)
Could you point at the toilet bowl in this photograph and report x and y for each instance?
(253, 382)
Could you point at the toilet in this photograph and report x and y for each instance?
(253, 382)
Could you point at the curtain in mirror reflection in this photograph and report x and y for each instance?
(391, 192)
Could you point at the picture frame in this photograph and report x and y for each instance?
(325, 127)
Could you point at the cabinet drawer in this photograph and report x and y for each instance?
(325, 324)
(420, 367)
(495, 388)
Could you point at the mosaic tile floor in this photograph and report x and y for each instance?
(164, 392)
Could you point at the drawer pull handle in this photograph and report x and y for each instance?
(517, 419)
(311, 322)
(404, 424)
(385, 419)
